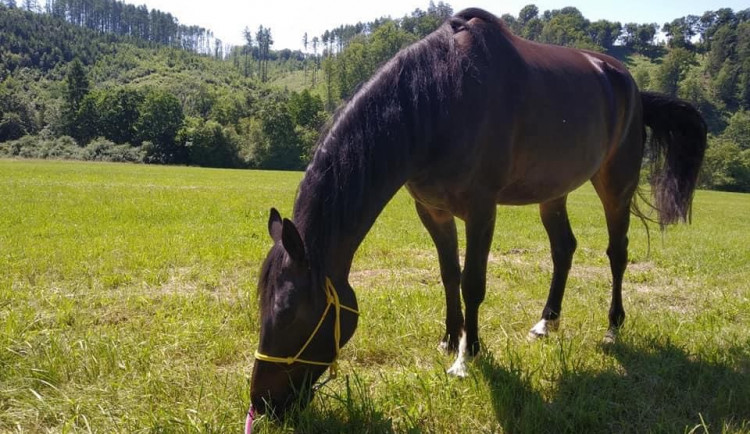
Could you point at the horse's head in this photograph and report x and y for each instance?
(301, 324)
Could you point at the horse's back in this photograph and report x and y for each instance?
(547, 117)
(576, 107)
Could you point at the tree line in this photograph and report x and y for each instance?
(119, 18)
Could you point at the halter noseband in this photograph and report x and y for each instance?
(332, 298)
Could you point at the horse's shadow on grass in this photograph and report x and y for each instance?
(661, 388)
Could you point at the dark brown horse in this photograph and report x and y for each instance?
(468, 118)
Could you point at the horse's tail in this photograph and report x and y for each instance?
(676, 146)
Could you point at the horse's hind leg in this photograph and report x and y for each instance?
(616, 185)
(442, 228)
(562, 244)
(617, 213)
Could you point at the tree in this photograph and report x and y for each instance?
(160, 120)
(639, 37)
(305, 44)
(118, 111)
(316, 58)
(281, 149)
(209, 144)
(218, 49)
(723, 45)
(673, 69)
(328, 70)
(11, 127)
(76, 88)
(711, 21)
(264, 40)
(680, 31)
(248, 50)
(644, 36)
(308, 115)
(306, 109)
(725, 83)
(31, 5)
(528, 13)
(738, 130)
(533, 29)
(604, 33)
(86, 123)
(565, 27)
(17, 113)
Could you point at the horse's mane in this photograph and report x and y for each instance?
(391, 125)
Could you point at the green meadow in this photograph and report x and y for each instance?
(127, 304)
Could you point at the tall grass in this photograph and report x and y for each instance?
(127, 304)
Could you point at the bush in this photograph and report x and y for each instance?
(209, 144)
(62, 148)
(102, 149)
(65, 148)
(726, 167)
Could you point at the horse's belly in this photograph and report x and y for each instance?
(552, 167)
(440, 195)
(529, 191)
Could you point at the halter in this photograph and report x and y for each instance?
(332, 298)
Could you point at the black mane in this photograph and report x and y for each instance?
(388, 128)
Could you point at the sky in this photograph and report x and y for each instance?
(290, 19)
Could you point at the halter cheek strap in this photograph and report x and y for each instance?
(332, 298)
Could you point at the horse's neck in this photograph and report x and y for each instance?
(345, 225)
(369, 153)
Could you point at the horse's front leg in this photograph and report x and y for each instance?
(480, 226)
(442, 228)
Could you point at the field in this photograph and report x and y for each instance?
(127, 304)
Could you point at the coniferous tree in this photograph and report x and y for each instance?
(76, 88)
(248, 51)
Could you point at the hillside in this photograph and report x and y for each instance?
(151, 90)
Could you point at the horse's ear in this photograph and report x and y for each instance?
(274, 225)
(292, 242)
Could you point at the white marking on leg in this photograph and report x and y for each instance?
(459, 366)
(610, 337)
(543, 327)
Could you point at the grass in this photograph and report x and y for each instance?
(127, 304)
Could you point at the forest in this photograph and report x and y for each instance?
(104, 80)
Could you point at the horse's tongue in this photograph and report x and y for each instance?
(249, 421)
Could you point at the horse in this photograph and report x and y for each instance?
(467, 118)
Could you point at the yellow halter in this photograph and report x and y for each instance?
(332, 298)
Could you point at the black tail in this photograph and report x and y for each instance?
(676, 147)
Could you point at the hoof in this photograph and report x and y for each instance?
(459, 368)
(543, 328)
(610, 337)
